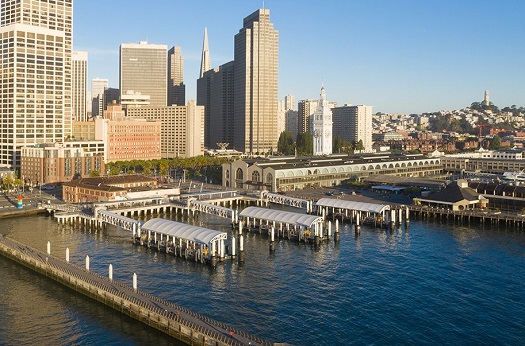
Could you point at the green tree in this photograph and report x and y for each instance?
(337, 145)
(359, 145)
(94, 174)
(286, 144)
(305, 144)
(495, 143)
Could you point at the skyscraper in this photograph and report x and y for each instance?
(79, 85)
(256, 77)
(98, 87)
(289, 102)
(143, 69)
(305, 115)
(176, 87)
(35, 86)
(205, 58)
(215, 93)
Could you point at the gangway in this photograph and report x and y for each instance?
(227, 213)
(286, 200)
(123, 222)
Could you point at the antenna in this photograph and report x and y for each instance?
(263, 4)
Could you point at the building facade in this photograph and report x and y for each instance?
(182, 128)
(215, 93)
(51, 163)
(128, 139)
(98, 88)
(354, 124)
(322, 129)
(305, 114)
(35, 85)
(79, 88)
(143, 69)
(176, 87)
(104, 189)
(292, 173)
(256, 84)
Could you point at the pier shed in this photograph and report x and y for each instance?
(358, 211)
(285, 223)
(182, 240)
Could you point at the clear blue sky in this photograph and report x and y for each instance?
(400, 56)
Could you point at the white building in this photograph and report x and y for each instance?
(35, 90)
(322, 127)
(98, 86)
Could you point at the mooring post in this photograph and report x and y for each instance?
(110, 269)
(135, 282)
(87, 262)
(67, 255)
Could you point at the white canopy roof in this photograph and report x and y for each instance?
(351, 205)
(181, 230)
(298, 219)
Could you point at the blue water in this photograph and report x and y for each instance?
(430, 284)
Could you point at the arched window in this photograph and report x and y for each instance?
(239, 175)
(227, 174)
(255, 176)
(269, 178)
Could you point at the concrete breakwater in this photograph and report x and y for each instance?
(171, 319)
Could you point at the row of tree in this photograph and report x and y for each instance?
(303, 144)
(207, 166)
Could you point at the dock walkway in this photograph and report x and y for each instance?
(174, 320)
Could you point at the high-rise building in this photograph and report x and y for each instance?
(256, 78)
(205, 58)
(79, 85)
(143, 69)
(98, 87)
(35, 86)
(306, 110)
(289, 102)
(176, 87)
(215, 93)
(353, 124)
(322, 127)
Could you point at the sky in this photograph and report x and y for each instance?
(399, 56)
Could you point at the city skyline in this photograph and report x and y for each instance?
(400, 57)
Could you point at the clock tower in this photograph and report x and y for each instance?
(322, 136)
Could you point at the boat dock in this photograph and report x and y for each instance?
(178, 322)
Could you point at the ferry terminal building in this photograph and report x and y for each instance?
(289, 173)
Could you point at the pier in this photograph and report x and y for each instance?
(178, 322)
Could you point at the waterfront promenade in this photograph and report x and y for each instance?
(176, 321)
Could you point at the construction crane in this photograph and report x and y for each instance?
(480, 126)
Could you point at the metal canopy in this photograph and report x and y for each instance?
(304, 220)
(181, 230)
(351, 205)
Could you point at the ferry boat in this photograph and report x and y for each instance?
(514, 176)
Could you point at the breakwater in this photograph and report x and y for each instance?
(176, 321)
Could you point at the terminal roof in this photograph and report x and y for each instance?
(351, 205)
(181, 230)
(298, 219)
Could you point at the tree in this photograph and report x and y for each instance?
(305, 144)
(495, 143)
(286, 144)
(359, 145)
(94, 174)
(337, 145)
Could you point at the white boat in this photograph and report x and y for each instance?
(514, 176)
